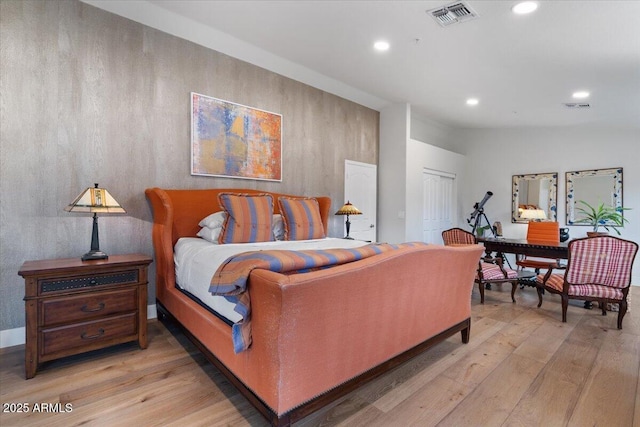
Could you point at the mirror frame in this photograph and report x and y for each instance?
(552, 215)
(614, 173)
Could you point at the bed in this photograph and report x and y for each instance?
(317, 335)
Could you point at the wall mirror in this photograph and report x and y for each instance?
(534, 196)
(595, 187)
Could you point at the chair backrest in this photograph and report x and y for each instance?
(458, 236)
(544, 231)
(602, 260)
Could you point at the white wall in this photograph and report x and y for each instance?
(403, 158)
(421, 155)
(434, 133)
(394, 131)
(494, 155)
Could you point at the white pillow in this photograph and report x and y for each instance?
(210, 234)
(212, 226)
(278, 227)
(214, 220)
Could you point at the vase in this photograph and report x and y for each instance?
(596, 233)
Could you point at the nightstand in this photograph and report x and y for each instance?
(74, 306)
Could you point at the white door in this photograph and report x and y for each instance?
(360, 188)
(438, 204)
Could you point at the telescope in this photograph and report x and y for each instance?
(479, 205)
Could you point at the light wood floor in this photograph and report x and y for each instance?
(522, 367)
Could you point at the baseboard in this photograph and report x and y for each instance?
(11, 337)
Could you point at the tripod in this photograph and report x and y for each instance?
(477, 216)
(478, 222)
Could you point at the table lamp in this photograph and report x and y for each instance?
(95, 200)
(348, 209)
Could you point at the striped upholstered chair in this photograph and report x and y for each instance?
(490, 270)
(598, 269)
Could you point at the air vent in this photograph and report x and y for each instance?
(452, 14)
(577, 105)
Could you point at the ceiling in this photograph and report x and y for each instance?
(522, 68)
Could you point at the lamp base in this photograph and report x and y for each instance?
(348, 238)
(92, 255)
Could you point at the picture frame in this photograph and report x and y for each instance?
(234, 141)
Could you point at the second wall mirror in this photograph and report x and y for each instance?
(534, 197)
(595, 187)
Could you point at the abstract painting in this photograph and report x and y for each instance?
(234, 141)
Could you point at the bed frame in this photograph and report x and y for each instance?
(298, 363)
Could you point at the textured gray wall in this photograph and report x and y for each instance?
(87, 96)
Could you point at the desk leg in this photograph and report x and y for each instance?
(488, 252)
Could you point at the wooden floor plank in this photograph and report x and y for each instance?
(522, 367)
(615, 373)
(492, 401)
(427, 405)
(483, 329)
(552, 397)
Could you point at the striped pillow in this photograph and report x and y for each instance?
(302, 218)
(249, 218)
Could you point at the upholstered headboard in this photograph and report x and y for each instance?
(176, 214)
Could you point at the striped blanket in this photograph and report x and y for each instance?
(230, 280)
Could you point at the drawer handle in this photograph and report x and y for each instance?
(92, 310)
(100, 333)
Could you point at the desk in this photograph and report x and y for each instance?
(525, 247)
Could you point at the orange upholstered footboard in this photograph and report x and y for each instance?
(315, 331)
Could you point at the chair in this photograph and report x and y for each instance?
(490, 269)
(598, 269)
(544, 232)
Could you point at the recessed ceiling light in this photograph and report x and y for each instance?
(381, 45)
(524, 7)
(472, 101)
(581, 94)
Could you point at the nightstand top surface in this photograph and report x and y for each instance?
(42, 266)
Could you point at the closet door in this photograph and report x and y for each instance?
(437, 204)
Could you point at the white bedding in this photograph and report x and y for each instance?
(197, 260)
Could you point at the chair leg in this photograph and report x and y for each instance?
(481, 287)
(514, 285)
(565, 305)
(603, 306)
(622, 310)
(539, 289)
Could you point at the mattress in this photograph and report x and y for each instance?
(196, 261)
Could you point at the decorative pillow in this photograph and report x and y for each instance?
(214, 220)
(302, 218)
(249, 218)
(210, 234)
(278, 227)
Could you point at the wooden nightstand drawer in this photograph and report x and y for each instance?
(84, 282)
(88, 306)
(89, 334)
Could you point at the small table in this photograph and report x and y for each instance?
(526, 278)
(74, 306)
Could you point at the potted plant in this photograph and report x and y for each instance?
(481, 229)
(605, 216)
